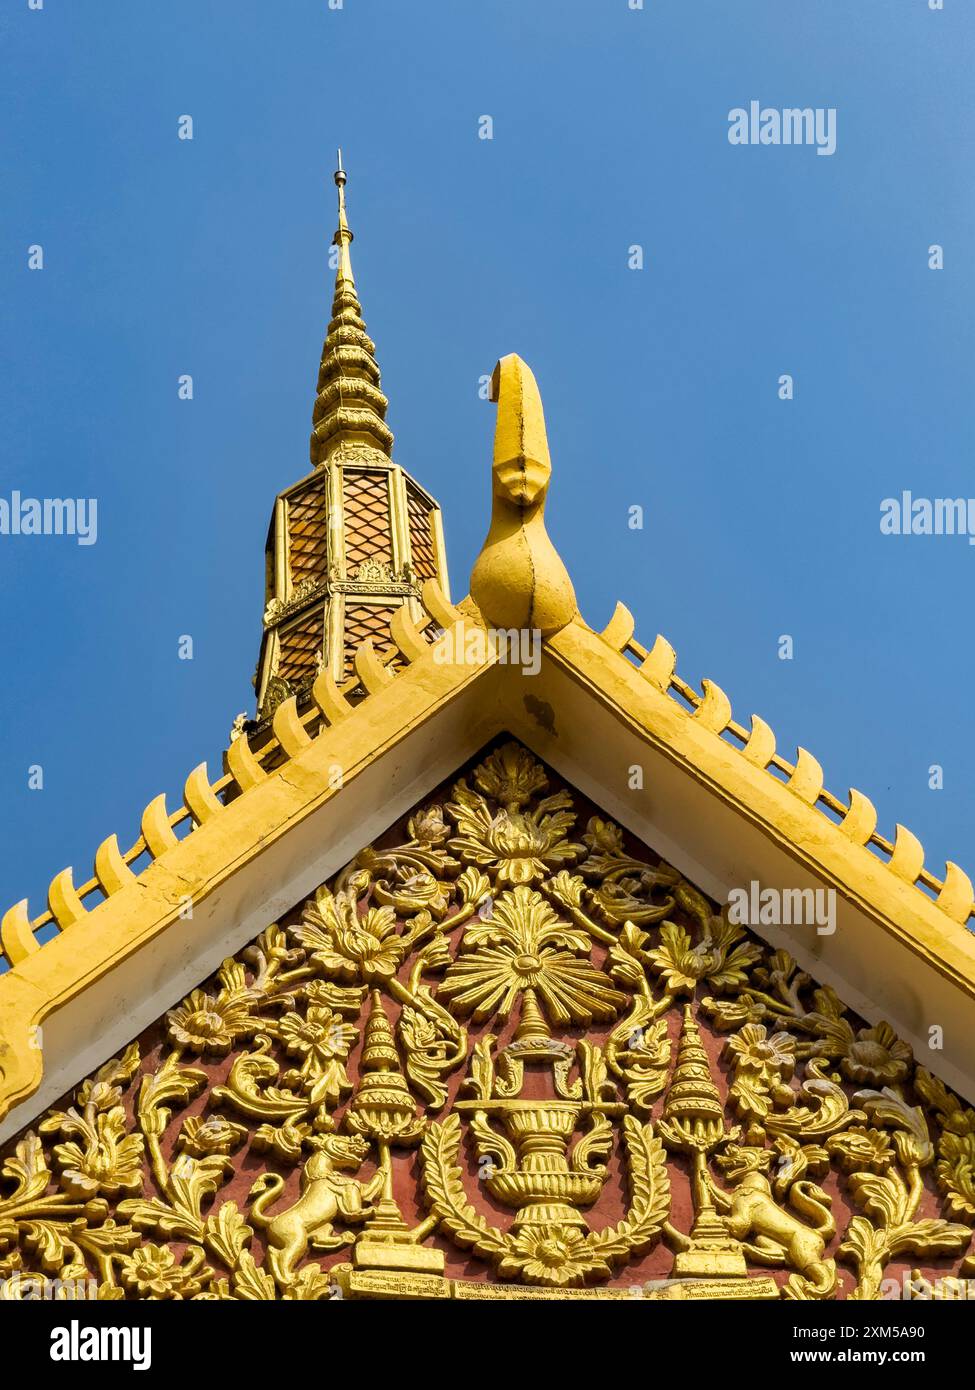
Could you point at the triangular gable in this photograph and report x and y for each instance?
(507, 1052)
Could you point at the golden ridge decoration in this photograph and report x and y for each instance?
(498, 1040)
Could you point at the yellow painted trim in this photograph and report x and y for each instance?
(440, 550)
(281, 545)
(399, 530)
(111, 869)
(157, 831)
(242, 764)
(288, 729)
(16, 934)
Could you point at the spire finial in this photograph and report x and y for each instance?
(343, 234)
(350, 405)
(519, 579)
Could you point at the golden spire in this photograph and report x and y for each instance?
(378, 1049)
(382, 1109)
(355, 538)
(349, 406)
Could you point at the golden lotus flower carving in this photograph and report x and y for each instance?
(523, 946)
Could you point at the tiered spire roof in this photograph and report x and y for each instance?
(355, 539)
(349, 404)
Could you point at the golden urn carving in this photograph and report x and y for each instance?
(532, 1169)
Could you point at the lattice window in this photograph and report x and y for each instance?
(367, 521)
(308, 534)
(421, 536)
(301, 644)
(363, 620)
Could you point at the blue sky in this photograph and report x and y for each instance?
(164, 257)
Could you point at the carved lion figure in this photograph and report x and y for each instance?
(779, 1236)
(326, 1193)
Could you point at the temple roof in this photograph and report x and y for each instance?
(610, 715)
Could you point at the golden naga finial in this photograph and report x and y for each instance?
(519, 580)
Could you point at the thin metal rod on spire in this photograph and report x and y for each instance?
(343, 234)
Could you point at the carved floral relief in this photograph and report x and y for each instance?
(506, 1046)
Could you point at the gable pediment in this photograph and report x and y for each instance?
(507, 1050)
